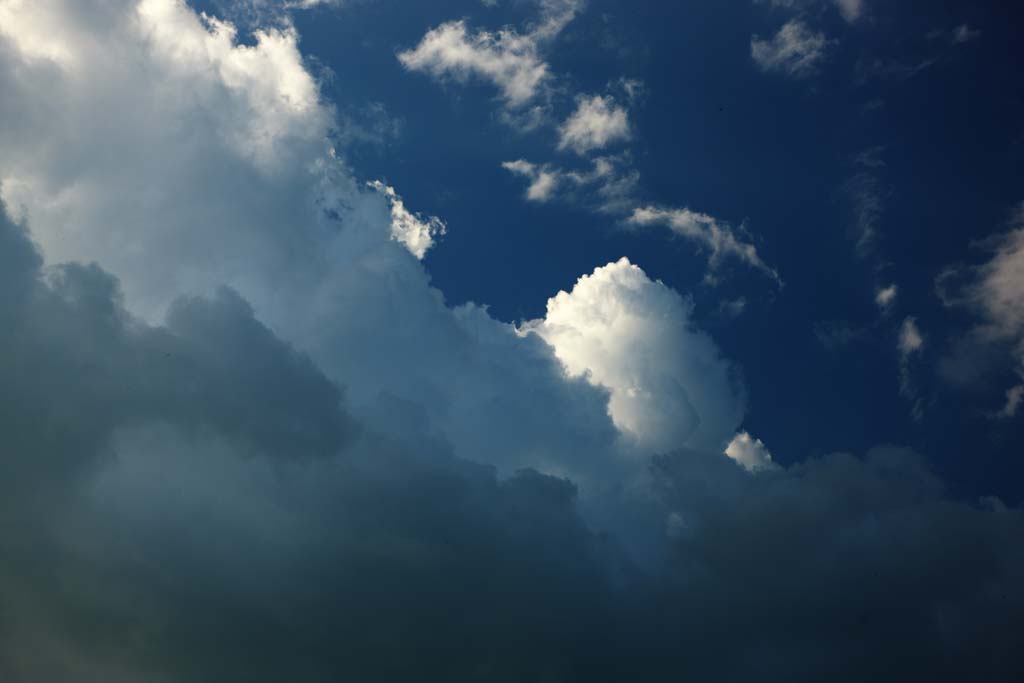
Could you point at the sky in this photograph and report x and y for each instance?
(495, 340)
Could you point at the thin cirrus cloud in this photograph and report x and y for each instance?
(796, 50)
(850, 10)
(718, 238)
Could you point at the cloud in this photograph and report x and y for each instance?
(796, 50)
(543, 180)
(994, 291)
(596, 123)
(412, 230)
(910, 339)
(851, 10)
(910, 342)
(705, 230)
(886, 296)
(508, 59)
(609, 185)
(964, 34)
(749, 452)
(669, 385)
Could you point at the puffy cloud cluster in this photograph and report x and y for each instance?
(510, 60)
(188, 493)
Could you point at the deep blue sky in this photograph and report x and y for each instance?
(717, 134)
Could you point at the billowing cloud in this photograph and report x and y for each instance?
(596, 123)
(796, 50)
(707, 231)
(669, 385)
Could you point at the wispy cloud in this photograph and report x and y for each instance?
(510, 60)
(718, 237)
(796, 50)
(596, 123)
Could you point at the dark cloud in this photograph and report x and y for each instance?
(191, 503)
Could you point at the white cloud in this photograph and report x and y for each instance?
(850, 9)
(995, 291)
(886, 296)
(751, 453)
(796, 50)
(510, 60)
(543, 180)
(707, 231)
(412, 230)
(910, 339)
(910, 342)
(669, 384)
(608, 186)
(596, 123)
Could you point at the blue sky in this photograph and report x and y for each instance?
(509, 340)
(777, 153)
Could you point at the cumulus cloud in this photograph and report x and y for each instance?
(596, 123)
(707, 231)
(669, 384)
(796, 50)
(412, 230)
(750, 452)
(510, 60)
